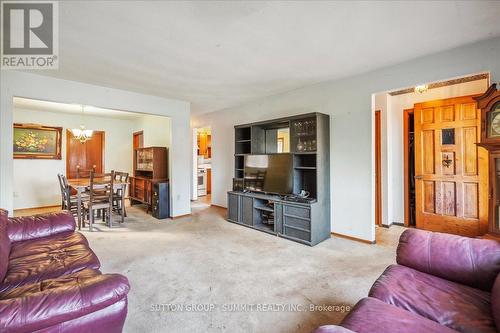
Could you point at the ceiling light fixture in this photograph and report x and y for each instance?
(82, 134)
(421, 88)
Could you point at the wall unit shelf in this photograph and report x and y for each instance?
(306, 222)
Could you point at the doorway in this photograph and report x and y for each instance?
(203, 166)
(399, 189)
(84, 156)
(409, 167)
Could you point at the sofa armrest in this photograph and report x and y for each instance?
(50, 307)
(37, 226)
(469, 261)
(332, 329)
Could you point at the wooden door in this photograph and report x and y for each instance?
(378, 170)
(450, 169)
(86, 155)
(138, 140)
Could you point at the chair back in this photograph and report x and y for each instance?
(84, 173)
(101, 187)
(65, 190)
(121, 177)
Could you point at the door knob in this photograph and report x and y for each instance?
(419, 177)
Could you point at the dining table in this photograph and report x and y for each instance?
(82, 185)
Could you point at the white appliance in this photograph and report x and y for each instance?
(202, 182)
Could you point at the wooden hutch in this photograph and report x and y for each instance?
(489, 104)
(150, 167)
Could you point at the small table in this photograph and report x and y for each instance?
(82, 184)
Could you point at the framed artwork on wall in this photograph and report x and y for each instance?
(32, 141)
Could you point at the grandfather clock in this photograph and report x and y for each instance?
(489, 104)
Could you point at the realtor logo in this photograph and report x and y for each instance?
(29, 35)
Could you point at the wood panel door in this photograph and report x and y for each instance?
(450, 169)
(86, 155)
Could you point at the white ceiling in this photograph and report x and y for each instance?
(222, 54)
(21, 103)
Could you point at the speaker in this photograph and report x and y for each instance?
(161, 200)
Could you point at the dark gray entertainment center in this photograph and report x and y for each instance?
(294, 152)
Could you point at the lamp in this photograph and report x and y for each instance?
(82, 134)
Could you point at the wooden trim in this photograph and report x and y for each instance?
(354, 238)
(406, 137)
(444, 83)
(378, 168)
(38, 207)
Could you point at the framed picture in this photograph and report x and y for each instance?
(33, 141)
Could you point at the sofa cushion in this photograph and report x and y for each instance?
(371, 315)
(4, 245)
(62, 281)
(457, 306)
(46, 244)
(495, 301)
(38, 267)
(474, 262)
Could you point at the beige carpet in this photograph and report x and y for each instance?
(202, 259)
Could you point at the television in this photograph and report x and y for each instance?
(269, 173)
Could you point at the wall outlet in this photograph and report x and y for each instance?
(16, 194)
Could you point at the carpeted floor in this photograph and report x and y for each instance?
(205, 261)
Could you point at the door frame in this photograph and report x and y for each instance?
(378, 168)
(69, 134)
(406, 182)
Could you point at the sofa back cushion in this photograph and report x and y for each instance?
(470, 261)
(495, 302)
(43, 225)
(4, 244)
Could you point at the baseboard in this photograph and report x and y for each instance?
(354, 238)
(39, 207)
(181, 216)
(214, 205)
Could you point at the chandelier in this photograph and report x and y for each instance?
(82, 134)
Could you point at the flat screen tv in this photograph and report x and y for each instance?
(269, 173)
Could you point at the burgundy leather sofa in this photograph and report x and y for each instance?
(50, 279)
(441, 283)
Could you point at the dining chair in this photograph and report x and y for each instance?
(84, 173)
(119, 193)
(100, 197)
(69, 202)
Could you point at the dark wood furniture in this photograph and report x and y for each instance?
(100, 197)
(69, 202)
(84, 173)
(150, 167)
(303, 220)
(119, 193)
(81, 185)
(489, 105)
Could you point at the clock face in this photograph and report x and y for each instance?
(494, 124)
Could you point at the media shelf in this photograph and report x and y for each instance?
(308, 143)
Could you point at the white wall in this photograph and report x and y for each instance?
(34, 86)
(349, 104)
(35, 181)
(157, 130)
(393, 152)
